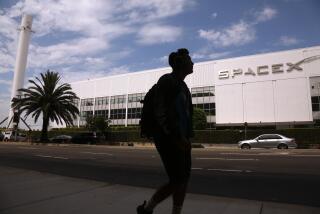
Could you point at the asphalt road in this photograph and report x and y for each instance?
(289, 176)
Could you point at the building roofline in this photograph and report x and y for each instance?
(197, 64)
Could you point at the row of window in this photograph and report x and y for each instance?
(102, 101)
(135, 113)
(116, 114)
(87, 102)
(202, 91)
(118, 99)
(132, 98)
(102, 113)
(135, 98)
(208, 108)
(315, 100)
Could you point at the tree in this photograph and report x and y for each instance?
(96, 123)
(199, 119)
(46, 97)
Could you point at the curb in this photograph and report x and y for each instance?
(122, 144)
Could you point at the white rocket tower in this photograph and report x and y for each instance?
(21, 61)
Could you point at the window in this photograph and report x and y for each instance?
(263, 137)
(118, 109)
(203, 98)
(208, 108)
(87, 102)
(135, 98)
(85, 114)
(76, 102)
(118, 99)
(101, 113)
(134, 108)
(102, 101)
(134, 113)
(269, 137)
(202, 91)
(116, 114)
(275, 137)
(315, 100)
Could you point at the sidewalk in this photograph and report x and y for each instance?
(29, 192)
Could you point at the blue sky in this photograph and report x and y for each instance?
(92, 38)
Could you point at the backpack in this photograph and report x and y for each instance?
(147, 121)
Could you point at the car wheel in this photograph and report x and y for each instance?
(282, 146)
(245, 146)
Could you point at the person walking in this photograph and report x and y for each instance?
(173, 115)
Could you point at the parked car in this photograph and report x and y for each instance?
(61, 139)
(85, 138)
(10, 135)
(268, 141)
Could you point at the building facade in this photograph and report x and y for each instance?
(265, 89)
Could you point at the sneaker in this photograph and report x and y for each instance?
(141, 210)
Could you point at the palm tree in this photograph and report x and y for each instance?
(48, 98)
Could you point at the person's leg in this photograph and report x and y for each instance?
(183, 170)
(168, 162)
(178, 197)
(161, 194)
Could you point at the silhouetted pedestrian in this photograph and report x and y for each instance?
(173, 114)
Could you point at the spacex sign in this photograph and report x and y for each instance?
(266, 69)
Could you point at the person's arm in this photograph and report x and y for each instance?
(160, 105)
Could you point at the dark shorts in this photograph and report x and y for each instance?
(177, 162)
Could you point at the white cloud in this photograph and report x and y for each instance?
(288, 41)
(164, 60)
(214, 15)
(119, 70)
(265, 14)
(77, 38)
(94, 27)
(70, 76)
(8, 43)
(66, 53)
(153, 10)
(240, 33)
(237, 34)
(4, 104)
(8, 26)
(156, 34)
(5, 82)
(207, 54)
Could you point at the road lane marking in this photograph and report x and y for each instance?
(230, 153)
(55, 157)
(226, 170)
(26, 148)
(281, 153)
(305, 155)
(98, 153)
(229, 170)
(196, 168)
(229, 159)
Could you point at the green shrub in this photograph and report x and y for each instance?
(304, 136)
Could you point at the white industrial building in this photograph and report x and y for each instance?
(280, 88)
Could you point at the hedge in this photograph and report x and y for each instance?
(303, 136)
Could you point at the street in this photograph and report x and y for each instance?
(289, 176)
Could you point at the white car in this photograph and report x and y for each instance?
(268, 141)
(10, 135)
